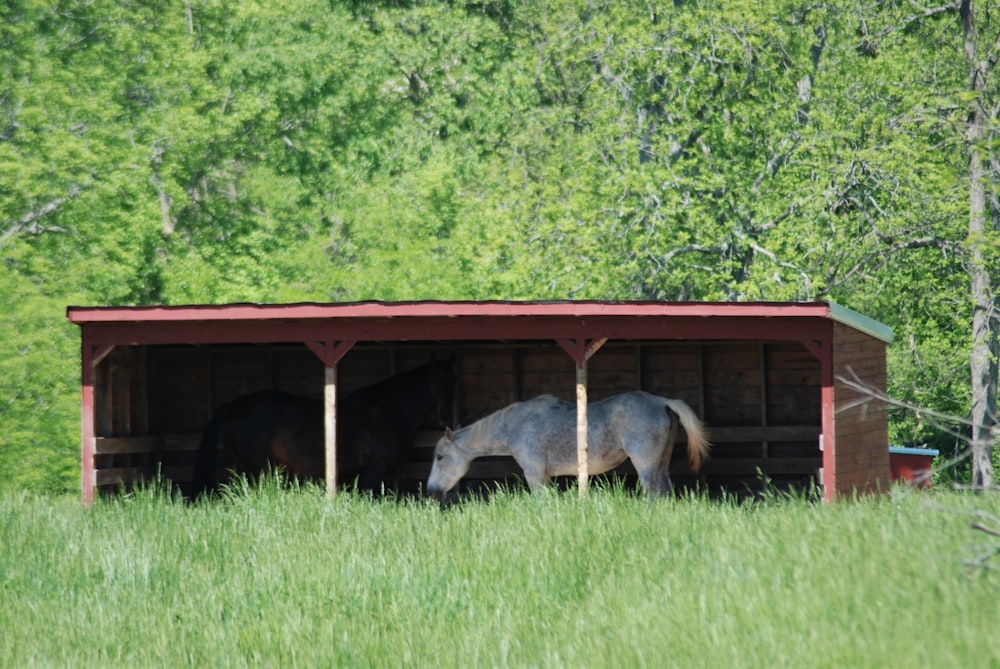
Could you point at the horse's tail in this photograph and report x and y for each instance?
(697, 433)
(207, 460)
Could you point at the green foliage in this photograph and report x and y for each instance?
(272, 577)
(221, 151)
(39, 396)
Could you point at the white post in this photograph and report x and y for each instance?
(581, 350)
(582, 475)
(330, 427)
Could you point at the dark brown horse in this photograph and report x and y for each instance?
(376, 428)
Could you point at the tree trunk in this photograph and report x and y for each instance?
(984, 320)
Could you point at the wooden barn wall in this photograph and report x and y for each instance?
(761, 401)
(121, 382)
(121, 418)
(861, 430)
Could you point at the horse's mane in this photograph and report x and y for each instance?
(485, 426)
(475, 431)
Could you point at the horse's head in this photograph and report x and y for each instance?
(451, 462)
(441, 380)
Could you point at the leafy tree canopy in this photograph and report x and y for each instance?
(217, 151)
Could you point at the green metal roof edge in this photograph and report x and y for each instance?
(861, 322)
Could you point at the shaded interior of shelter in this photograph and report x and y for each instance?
(760, 400)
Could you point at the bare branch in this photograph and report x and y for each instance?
(941, 421)
(994, 53)
(777, 159)
(29, 222)
(903, 245)
(870, 43)
(981, 518)
(869, 392)
(690, 248)
(992, 531)
(12, 124)
(982, 561)
(757, 248)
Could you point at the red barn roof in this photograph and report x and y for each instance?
(439, 320)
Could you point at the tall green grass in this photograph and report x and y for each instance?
(276, 577)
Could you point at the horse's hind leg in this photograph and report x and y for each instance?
(655, 481)
(652, 462)
(653, 471)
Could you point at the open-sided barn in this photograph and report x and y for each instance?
(764, 377)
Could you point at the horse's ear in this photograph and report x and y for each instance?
(448, 434)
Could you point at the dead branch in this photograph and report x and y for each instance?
(869, 393)
(982, 561)
(870, 43)
(896, 247)
(993, 532)
(982, 522)
(29, 222)
(940, 420)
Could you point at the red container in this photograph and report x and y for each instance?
(912, 464)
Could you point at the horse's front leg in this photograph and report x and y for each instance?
(536, 478)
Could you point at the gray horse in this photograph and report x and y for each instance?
(541, 436)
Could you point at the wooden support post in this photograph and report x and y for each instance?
(330, 427)
(582, 461)
(581, 351)
(827, 444)
(822, 349)
(87, 443)
(330, 352)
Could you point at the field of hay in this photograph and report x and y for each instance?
(270, 576)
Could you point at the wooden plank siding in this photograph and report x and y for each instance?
(861, 423)
(760, 400)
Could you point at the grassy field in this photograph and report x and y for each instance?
(271, 577)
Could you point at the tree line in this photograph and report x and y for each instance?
(212, 151)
